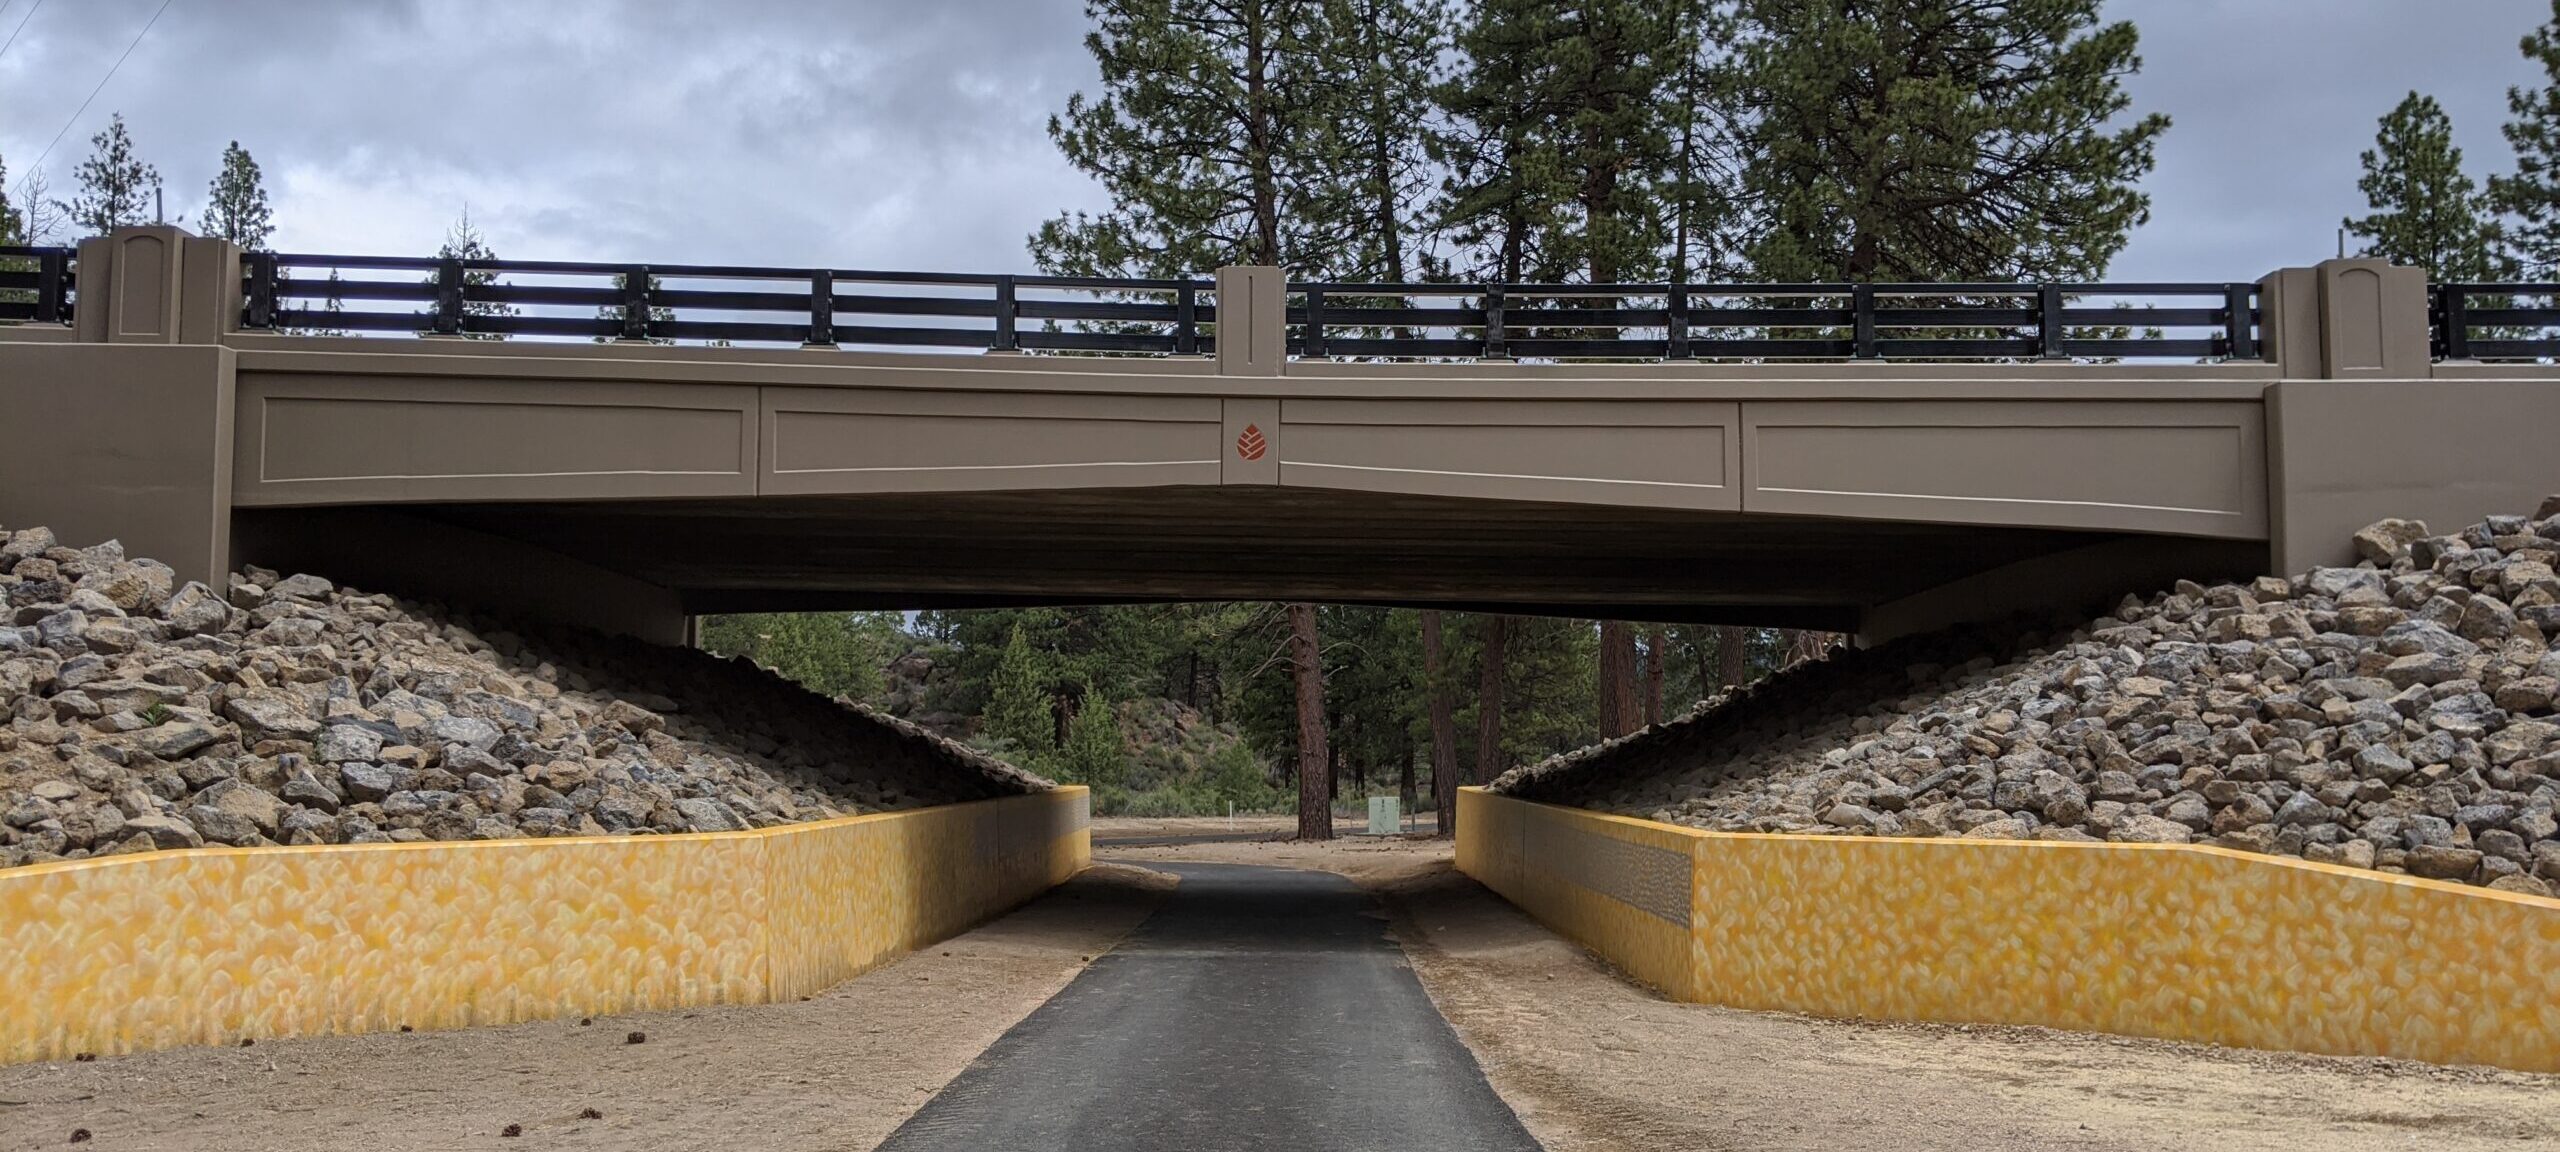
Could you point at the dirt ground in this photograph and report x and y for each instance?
(838, 1071)
(1591, 1061)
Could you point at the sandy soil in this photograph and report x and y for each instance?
(838, 1071)
(1591, 1061)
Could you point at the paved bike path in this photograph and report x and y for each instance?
(1258, 1008)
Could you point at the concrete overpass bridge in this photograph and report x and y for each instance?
(1859, 458)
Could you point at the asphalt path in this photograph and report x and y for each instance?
(1259, 1008)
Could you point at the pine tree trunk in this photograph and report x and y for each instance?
(1489, 701)
(1262, 144)
(1731, 666)
(1657, 644)
(1617, 679)
(1315, 802)
(1404, 783)
(1444, 728)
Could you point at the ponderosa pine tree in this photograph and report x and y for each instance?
(1444, 726)
(1209, 137)
(2531, 196)
(1560, 144)
(116, 186)
(1935, 139)
(236, 202)
(1019, 711)
(1561, 157)
(1315, 798)
(463, 241)
(2426, 213)
(1376, 64)
(1094, 753)
(13, 223)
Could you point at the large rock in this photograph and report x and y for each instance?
(2383, 540)
(267, 714)
(165, 831)
(196, 611)
(180, 735)
(344, 743)
(233, 798)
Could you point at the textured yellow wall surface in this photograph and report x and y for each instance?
(209, 946)
(2173, 941)
(1556, 863)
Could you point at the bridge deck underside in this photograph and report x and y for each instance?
(1238, 542)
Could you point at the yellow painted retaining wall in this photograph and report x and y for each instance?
(2181, 942)
(207, 946)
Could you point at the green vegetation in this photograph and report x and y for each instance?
(838, 653)
(1186, 709)
(2426, 213)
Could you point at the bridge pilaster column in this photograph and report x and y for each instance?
(2361, 429)
(126, 431)
(1253, 341)
(157, 284)
(2350, 319)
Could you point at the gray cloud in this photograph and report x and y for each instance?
(910, 135)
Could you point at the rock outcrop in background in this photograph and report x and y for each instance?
(141, 714)
(2395, 715)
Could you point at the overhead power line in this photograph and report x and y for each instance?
(93, 92)
(22, 26)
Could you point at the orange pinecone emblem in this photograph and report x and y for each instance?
(1250, 444)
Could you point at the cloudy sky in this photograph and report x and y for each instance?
(909, 134)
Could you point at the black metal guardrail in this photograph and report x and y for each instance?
(1776, 321)
(1413, 320)
(36, 284)
(808, 306)
(835, 307)
(2494, 321)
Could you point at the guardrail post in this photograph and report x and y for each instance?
(2239, 333)
(635, 304)
(1008, 337)
(2453, 321)
(1862, 310)
(448, 319)
(262, 290)
(2049, 322)
(1186, 320)
(1311, 345)
(50, 286)
(822, 310)
(1495, 346)
(1676, 345)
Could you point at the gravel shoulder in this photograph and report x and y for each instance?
(1591, 1061)
(840, 1070)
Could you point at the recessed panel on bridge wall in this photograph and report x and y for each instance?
(822, 440)
(1645, 453)
(2195, 468)
(325, 440)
